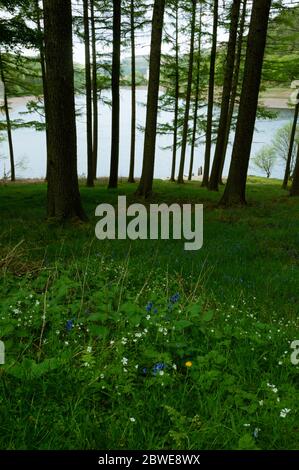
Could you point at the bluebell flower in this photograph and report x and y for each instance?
(144, 371)
(158, 367)
(69, 325)
(155, 310)
(149, 306)
(175, 298)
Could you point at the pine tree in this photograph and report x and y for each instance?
(236, 183)
(63, 189)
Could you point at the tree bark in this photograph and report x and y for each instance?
(90, 166)
(226, 95)
(95, 142)
(146, 182)
(63, 190)
(188, 97)
(295, 184)
(196, 99)
(291, 146)
(236, 184)
(43, 69)
(115, 94)
(177, 93)
(133, 95)
(8, 125)
(234, 86)
(206, 173)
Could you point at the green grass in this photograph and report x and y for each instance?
(235, 318)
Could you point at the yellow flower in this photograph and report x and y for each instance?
(188, 364)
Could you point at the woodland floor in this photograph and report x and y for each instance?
(142, 345)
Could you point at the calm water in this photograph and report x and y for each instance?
(30, 150)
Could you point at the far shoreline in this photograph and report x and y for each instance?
(273, 98)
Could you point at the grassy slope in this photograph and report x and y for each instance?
(238, 299)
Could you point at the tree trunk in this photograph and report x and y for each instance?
(8, 125)
(234, 86)
(177, 93)
(146, 182)
(196, 98)
(115, 94)
(295, 184)
(206, 173)
(188, 97)
(43, 69)
(133, 96)
(94, 91)
(290, 152)
(226, 95)
(236, 184)
(63, 189)
(90, 166)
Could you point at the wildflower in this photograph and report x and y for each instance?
(174, 366)
(89, 349)
(155, 310)
(161, 372)
(69, 325)
(149, 306)
(124, 361)
(133, 420)
(188, 364)
(148, 317)
(138, 335)
(66, 343)
(158, 368)
(102, 376)
(284, 412)
(175, 298)
(261, 402)
(124, 341)
(246, 425)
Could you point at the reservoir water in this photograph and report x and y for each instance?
(30, 151)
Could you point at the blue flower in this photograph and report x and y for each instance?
(158, 367)
(175, 298)
(156, 310)
(69, 325)
(149, 306)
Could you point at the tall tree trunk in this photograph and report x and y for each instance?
(90, 166)
(43, 69)
(188, 97)
(295, 184)
(291, 146)
(8, 125)
(115, 94)
(236, 184)
(226, 95)
(146, 182)
(206, 172)
(234, 86)
(94, 91)
(196, 98)
(133, 95)
(63, 188)
(177, 93)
